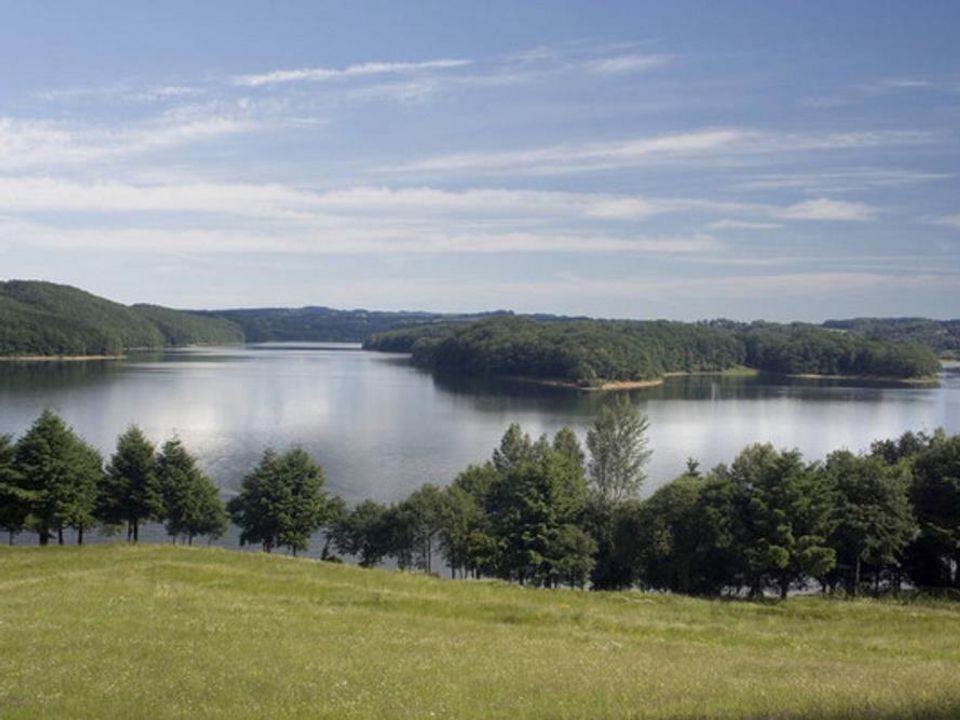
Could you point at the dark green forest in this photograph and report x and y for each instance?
(41, 318)
(590, 352)
(941, 336)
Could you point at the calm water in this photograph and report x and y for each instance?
(381, 428)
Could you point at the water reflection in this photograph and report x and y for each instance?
(381, 427)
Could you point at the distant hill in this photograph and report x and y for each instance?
(42, 318)
(941, 336)
(323, 324)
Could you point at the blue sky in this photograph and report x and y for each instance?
(677, 159)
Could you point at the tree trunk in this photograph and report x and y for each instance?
(784, 587)
(80, 535)
(856, 577)
(136, 531)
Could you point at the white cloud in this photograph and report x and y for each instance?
(321, 74)
(628, 63)
(826, 209)
(952, 221)
(732, 224)
(836, 181)
(338, 236)
(726, 144)
(37, 143)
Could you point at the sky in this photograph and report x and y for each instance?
(683, 160)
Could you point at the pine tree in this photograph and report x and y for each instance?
(192, 504)
(57, 479)
(131, 492)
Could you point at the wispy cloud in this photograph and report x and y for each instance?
(323, 74)
(826, 209)
(28, 144)
(722, 143)
(423, 209)
(628, 63)
(838, 181)
(952, 221)
(732, 224)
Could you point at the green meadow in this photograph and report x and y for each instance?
(170, 632)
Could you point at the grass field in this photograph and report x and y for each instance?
(164, 632)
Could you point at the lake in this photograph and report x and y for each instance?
(381, 427)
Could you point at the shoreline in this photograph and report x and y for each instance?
(618, 385)
(868, 378)
(59, 358)
(573, 385)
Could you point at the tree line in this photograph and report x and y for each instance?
(549, 512)
(544, 512)
(588, 352)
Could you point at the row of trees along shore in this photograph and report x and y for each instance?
(543, 512)
(589, 352)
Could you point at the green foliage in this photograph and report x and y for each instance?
(874, 519)
(935, 494)
(181, 328)
(282, 502)
(618, 450)
(131, 493)
(56, 478)
(41, 318)
(591, 352)
(13, 504)
(191, 502)
(941, 336)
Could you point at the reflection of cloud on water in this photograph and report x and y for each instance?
(381, 428)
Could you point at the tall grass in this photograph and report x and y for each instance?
(164, 632)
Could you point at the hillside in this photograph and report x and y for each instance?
(169, 632)
(323, 324)
(589, 353)
(941, 336)
(41, 318)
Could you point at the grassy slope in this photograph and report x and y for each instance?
(114, 631)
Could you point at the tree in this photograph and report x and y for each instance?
(131, 492)
(934, 559)
(465, 537)
(192, 504)
(13, 503)
(362, 532)
(87, 477)
(534, 509)
(515, 449)
(57, 477)
(783, 517)
(618, 450)
(282, 502)
(873, 518)
(421, 516)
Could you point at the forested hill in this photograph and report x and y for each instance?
(41, 318)
(323, 324)
(941, 336)
(592, 352)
